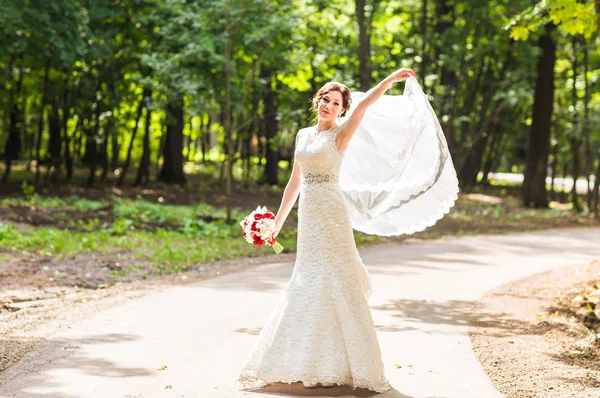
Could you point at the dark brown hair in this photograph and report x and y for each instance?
(333, 86)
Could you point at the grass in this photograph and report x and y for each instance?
(144, 211)
(167, 251)
(68, 203)
(190, 240)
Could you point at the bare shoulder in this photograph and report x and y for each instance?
(301, 133)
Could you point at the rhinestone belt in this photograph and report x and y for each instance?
(312, 178)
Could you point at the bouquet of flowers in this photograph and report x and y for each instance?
(258, 227)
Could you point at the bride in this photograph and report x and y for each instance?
(321, 332)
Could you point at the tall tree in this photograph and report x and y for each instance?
(534, 184)
(445, 10)
(143, 174)
(365, 10)
(270, 127)
(172, 168)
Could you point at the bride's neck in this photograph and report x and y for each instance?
(323, 125)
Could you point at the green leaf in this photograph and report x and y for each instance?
(519, 33)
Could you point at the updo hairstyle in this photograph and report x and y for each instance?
(333, 86)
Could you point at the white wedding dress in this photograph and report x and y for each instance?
(321, 329)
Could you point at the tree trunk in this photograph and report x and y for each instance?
(94, 145)
(364, 46)
(115, 148)
(64, 121)
(534, 184)
(67, 141)
(200, 139)
(79, 143)
(575, 140)
(91, 142)
(55, 140)
(424, 43)
(248, 155)
(38, 145)
(138, 116)
(473, 158)
(251, 131)
(598, 13)
(161, 146)
(576, 153)
(552, 180)
(493, 152)
(172, 168)
(13, 147)
(271, 127)
(188, 141)
(589, 160)
(29, 146)
(227, 124)
(104, 163)
(444, 10)
(203, 137)
(469, 171)
(91, 150)
(563, 188)
(143, 174)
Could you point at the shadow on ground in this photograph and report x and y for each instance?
(414, 314)
(56, 354)
(298, 390)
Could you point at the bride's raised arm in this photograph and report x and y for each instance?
(351, 124)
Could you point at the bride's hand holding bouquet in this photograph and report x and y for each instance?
(260, 228)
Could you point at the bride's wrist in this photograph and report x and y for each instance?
(391, 79)
(387, 82)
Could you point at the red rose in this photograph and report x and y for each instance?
(258, 216)
(258, 240)
(270, 216)
(253, 227)
(244, 233)
(245, 222)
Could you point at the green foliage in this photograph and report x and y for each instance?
(102, 55)
(571, 16)
(72, 202)
(121, 226)
(142, 211)
(49, 240)
(200, 228)
(28, 190)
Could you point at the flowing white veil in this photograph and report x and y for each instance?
(397, 174)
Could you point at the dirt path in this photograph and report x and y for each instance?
(190, 341)
(530, 335)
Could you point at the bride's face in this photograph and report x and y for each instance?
(330, 105)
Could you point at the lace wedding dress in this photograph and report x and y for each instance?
(321, 329)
